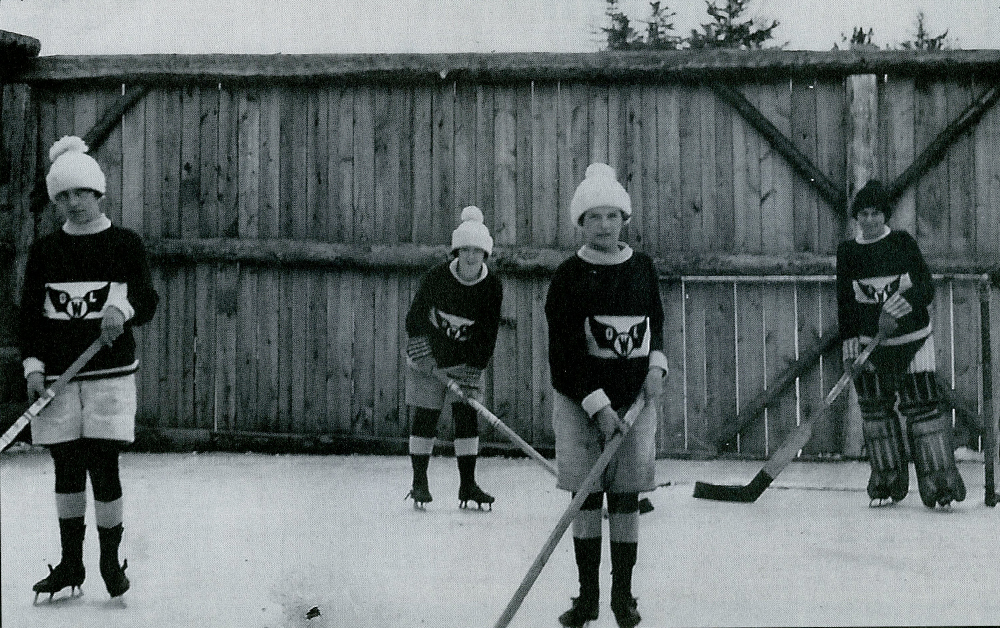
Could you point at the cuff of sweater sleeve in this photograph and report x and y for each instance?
(118, 297)
(657, 359)
(32, 365)
(595, 402)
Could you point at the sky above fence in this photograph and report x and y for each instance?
(346, 26)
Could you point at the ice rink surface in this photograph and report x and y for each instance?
(251, 540)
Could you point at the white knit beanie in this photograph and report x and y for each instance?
(72, 167)
(599, 188)
(472, 231)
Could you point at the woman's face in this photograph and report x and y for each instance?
(602, 228)
(80, 205)
(470, 261)
(872, 223)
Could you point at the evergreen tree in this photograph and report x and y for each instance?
(729, 28)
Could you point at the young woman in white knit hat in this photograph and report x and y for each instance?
(605, 324)
(452, 326)
(86, 281)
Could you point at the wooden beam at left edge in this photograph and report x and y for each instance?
(94, 137)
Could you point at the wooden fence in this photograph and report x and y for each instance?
(290, 203)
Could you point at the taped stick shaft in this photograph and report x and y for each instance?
(49, 394)
(495, 421)
(610, 449)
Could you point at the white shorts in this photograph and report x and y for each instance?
(94, 408)
(579, 444)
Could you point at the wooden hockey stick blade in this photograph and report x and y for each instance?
(610, 449)
(49, 394)
(788, 450)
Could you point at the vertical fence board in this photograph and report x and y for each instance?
(750, 362)
(961, 160)
(725, 175)
(133, 166)
(228, 178)
(522, 375)
(747, 237)
(248, 187)
(574, 149)
(803, 135)
(968, 363)
(698, 422)
(314, 362)
(247, 349)
(833, 368)
(779, 210)
(505, 364)
(211, 157)
(269, 304)
(465, 147)
(362, 403)
(443, 213)
(671, 432)
(720, 358)
(226, 324)
(386, 356)
(896, 115)
(811, 320)
(364, 167)
(689, 142)
(668, 169)
(987, 177)
(544, 164)
(317, 184)
(423, 136)
(171, 123)
(542, 431)
(190, 173)
(523, 176)
(269, 160)
(932, 207)
(505, 160)
(485, 156)
(831, 157)
(709, 186)
(779, 325)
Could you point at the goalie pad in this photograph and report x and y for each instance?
(890, 476)
(934, 457)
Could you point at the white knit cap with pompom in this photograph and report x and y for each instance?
(599, 188)
(73, 168)
(472, 231)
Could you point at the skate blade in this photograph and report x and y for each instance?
(882, 503)
(74, 593)
(479, 505)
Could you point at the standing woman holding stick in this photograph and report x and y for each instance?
(605, 321)
(88, 280)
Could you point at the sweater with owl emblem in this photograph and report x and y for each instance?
(461, 319)
(869, 273)
(605, 322)
(69, 280)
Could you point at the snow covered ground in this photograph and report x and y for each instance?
(248, 540)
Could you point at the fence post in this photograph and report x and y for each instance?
(862, 94)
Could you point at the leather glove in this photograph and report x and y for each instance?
(851, 349)
(608, 422)
(36, 385)
(112, 325)
(419, 355)
(887, 323)
(897, 306)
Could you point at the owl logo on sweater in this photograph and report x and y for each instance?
(617, 336)
(454, 327)
(877, 290)
(76, 300)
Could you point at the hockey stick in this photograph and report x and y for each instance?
(610, 449)
(789, 449)
(495, 421)
(989, 429)
(49, 394)
(644, 504)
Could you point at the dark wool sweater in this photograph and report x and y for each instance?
(869, 274)
(604, 321)
(67, 282)
(461, 321)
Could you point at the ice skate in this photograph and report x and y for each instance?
(62, 576)
(421, 495)
(473, 493)
(114, 577)
(582, 611)
(626, 611)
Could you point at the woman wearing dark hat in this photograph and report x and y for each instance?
(87, 280)
(883, 284)
(452, 326)
(605, 322)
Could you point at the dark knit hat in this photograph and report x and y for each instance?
(873, 194)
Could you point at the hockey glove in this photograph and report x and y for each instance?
(419, 355)
(112, 325)
(887, 323)
(896, 306)
(36, 385)
(851, 348)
